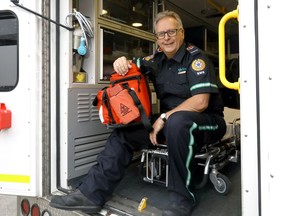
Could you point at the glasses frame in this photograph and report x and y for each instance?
(168, 32)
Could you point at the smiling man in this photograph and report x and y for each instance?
(191, 114)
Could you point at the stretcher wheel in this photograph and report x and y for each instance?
(222, 185)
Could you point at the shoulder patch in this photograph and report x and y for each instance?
(148, 58)
(198, 65)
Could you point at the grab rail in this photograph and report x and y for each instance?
(222, 67)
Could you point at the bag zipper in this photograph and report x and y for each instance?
(138, 77)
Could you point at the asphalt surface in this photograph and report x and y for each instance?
(8, 206)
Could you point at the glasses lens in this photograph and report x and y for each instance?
(172, 33)
(160, 35)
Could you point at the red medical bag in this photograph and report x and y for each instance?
(126, 101)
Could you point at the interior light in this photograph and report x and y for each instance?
(104, 11)
(137, 24)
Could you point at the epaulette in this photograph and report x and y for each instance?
(193, 50)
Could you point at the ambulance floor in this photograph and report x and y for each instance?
(210, 202)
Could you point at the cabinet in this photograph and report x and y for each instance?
(115, 35)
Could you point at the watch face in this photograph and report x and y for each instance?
(163, 116)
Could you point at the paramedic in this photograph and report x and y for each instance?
(191, 114)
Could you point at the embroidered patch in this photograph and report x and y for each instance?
(198, 65)
(182, 70)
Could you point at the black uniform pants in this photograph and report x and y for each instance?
(184, 131)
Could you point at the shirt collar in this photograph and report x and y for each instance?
(179, 54)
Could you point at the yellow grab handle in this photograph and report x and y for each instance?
(222, 67)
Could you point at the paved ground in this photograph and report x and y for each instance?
(8, 205)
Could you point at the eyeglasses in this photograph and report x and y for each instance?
(170, 33)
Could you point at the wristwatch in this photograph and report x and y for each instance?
(163, 117)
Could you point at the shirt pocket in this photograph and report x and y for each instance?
(180, 86)
(181, 78)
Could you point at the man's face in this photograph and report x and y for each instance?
(169, 44)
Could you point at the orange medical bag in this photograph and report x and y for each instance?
(126, 101)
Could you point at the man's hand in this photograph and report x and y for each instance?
(122, 65)
(157, 126)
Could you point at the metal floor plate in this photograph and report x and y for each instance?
(132, 189)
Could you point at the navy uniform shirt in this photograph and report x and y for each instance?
(188, 73)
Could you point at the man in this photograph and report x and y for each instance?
(192, 114)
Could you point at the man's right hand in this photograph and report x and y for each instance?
(122, 65)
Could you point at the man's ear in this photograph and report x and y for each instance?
(183, 31)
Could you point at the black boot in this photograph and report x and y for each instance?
(179, 205)
(74, 201)
(175, 209)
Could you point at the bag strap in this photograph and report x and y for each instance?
(144, 117)
(106, 101)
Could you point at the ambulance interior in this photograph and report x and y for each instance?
(200, 20)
